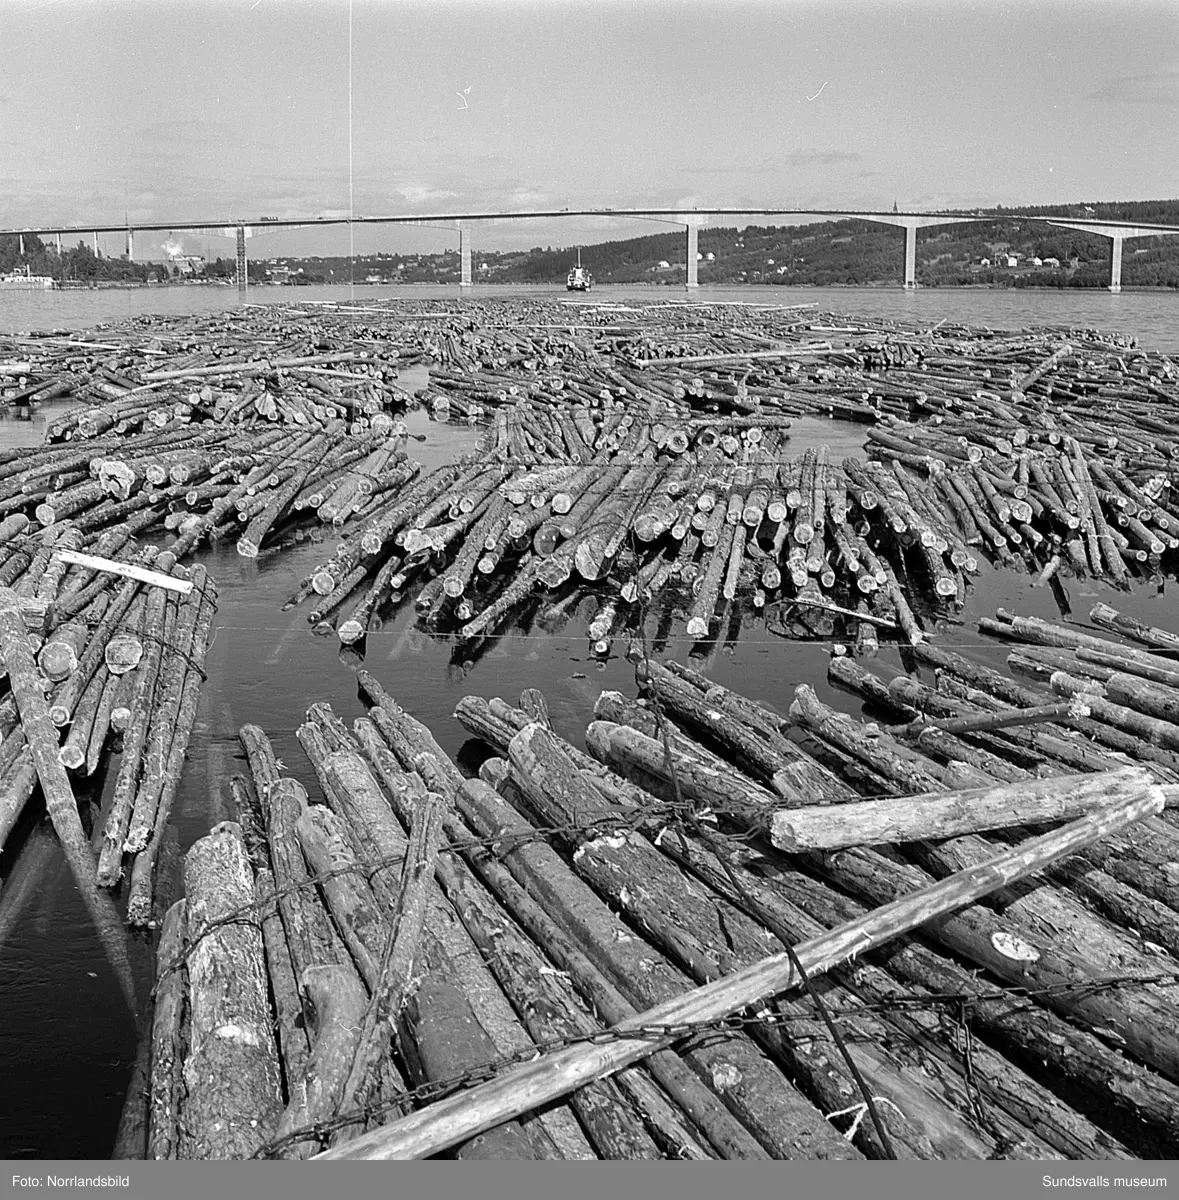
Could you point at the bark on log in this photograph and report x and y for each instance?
(548, 1009)
(336, 1002)
(396, 973)
(167, 1044)
(231, 1073)
(1147, 635)
(289, 1027)
(491, 817)
(1136, 1018)
(361, 924)
(110, 862)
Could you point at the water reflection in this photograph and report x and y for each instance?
(38, 864)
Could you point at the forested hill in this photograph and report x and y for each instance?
(861, 253)
(1003, 251)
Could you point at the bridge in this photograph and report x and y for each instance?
(1118, 232)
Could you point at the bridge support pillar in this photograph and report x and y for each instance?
(911, 256)
(1115, 264)
(465, 278)
(130, 246)
(21, 246)
(59, 245)
(96, 243)
(693, 279)
(242, 266)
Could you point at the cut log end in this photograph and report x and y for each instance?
(71, 756)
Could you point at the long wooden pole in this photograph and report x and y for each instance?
(951, 814)
(127, 570)
(461, 1117)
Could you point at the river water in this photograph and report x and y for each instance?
(69, 996)
(1150, 316)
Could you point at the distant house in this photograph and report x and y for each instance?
(188, 264)
(664, 265)
(769, 262)
(1012, 261)
(984, 262)
(1037, 262)
(710, 257)
(1052, 262)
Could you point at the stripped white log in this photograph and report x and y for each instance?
(127, 570)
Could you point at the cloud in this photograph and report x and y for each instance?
(522, 197)
(1156, 87)
(420, 193)
(820, 158)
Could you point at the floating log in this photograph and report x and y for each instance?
(950, 814)
(167, 1044)
(233, 1094)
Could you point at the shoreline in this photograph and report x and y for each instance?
(557, 286)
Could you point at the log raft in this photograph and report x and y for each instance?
(568, 875)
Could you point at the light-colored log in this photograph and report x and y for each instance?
(231, 1076)
(949, 814)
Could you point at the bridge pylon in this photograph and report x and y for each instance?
(692, 253)
(910, 224)
(242, 265)
(1117, 235)
(464, 231)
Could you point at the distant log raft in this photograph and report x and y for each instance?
(645, 459)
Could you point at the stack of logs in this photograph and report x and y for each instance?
(207, 481)
(100, 648)
(302, 367)
(519, 915)
(740, 518)
(973, 458)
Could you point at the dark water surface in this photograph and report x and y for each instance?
(68, 1034)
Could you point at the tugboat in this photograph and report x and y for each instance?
(580, 280)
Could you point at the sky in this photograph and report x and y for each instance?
(234, 109)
